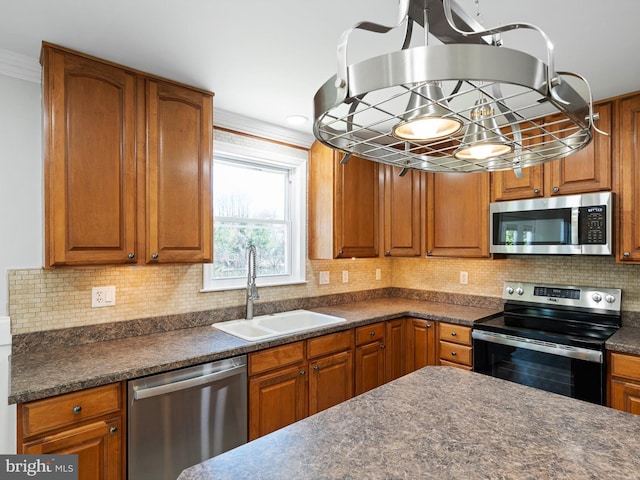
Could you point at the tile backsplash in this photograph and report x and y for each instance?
(52, 299)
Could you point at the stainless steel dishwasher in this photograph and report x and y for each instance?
(180, 418)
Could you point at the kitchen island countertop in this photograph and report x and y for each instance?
(443, 423)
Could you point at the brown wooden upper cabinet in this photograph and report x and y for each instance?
(404, 212)
(343, 205)
(127, 165)
(628, 198)
(589, 170)
(458, 214)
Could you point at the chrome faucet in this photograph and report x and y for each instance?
(252, 288)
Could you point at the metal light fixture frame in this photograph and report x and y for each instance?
(356, 109)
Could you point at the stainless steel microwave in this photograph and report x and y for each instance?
(565, 225)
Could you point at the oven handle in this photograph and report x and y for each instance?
(594, 356)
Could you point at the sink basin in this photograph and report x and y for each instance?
(268, 326)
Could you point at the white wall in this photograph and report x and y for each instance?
(21, 184)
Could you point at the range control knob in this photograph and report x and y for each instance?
(596, 297)
(519, 291)
(510, 290)
(610, 298)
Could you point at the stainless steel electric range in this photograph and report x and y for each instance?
(550, 337)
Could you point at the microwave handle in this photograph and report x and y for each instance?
(575, 225)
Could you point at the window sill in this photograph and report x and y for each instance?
(260, 285)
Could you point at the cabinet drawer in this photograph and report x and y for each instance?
(455, 333)
(369, 333)
(627, 366)
(444, 363)
(455, 353)
(334, 342)
(64, 410)
(276, 357)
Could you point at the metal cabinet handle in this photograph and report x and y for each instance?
(154, 256)
(340, 252)
(429, 325)
(382, 345)
(536, 191)
(556, 189)
(429, 252)
(302, 372)
(453, 354)
(316, 368)
(77, 409)
(453, 334)
(131, 256)
(388, 253)
(113, 430)
(626, 254)
(372, 333)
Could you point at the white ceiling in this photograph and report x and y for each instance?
(265, 59)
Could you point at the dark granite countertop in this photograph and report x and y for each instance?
(41, 374)
(443, 423)
(625, 340)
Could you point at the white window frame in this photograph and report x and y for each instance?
(298, 212)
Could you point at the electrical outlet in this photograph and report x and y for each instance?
(103, 296)
(378, 274)
(323, 278)
(464, 278)
(345, 276)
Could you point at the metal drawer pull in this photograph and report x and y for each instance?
(77, 409)
(373, 334)
(113, 430)
(316, 368)
(453, 354)
(453, 334)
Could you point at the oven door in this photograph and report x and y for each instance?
(571, 371)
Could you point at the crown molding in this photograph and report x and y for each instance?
(20, 66)
(240, 123)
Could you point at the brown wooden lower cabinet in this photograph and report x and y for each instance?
(395, 341)
(289, 382)
(624, 382)
(421, 343)
(454, 346)
(89, 423)
(369, 357)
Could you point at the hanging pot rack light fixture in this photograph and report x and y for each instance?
(503, 108)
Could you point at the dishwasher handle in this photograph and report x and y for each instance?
(142, 393)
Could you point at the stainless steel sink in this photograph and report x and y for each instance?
(268, 326)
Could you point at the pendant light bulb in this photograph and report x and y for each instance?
(427, 116)
(483, 138)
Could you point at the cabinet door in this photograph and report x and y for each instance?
(89, 138)
(507, 186)
(458, 214)
(98, 446)
(625, 396)
(404, 203)
(588, 170)
(276, 400)
(369, 366)
(395, 358)
(356, 208)
(421, 343)
(178, 207)
(629, 197)
(330, 381)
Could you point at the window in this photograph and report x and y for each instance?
(258, 198)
